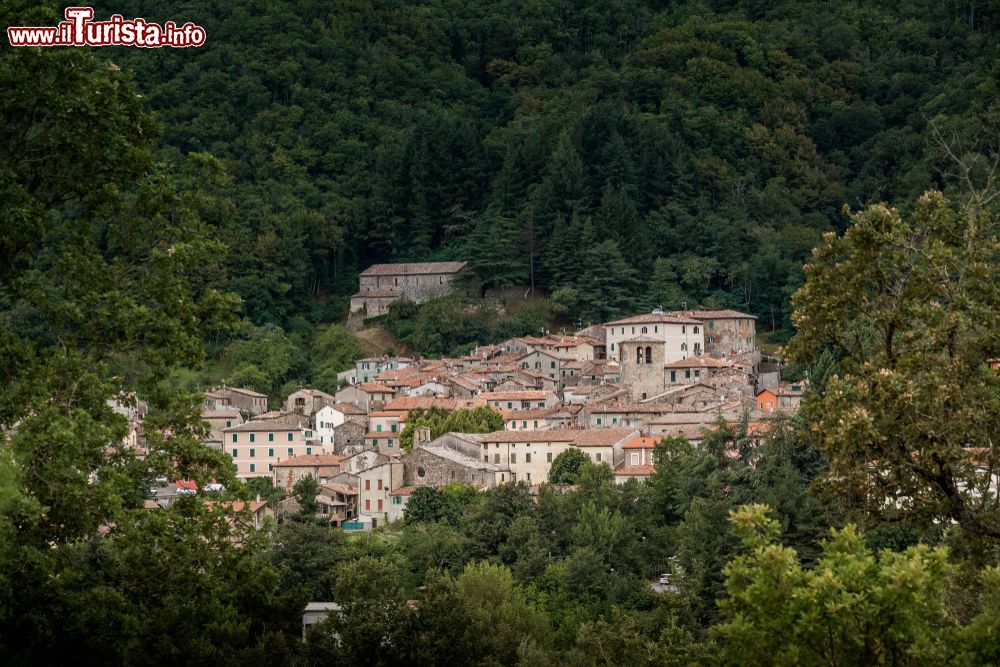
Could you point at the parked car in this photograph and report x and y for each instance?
(664, 579)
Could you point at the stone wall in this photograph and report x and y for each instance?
(642, 376)
(425, 468)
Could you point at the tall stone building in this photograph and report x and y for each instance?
(727, 331)
(642, 364)
(382, 284)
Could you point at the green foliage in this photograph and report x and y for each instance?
(264, 358)
(305, 491)
(334, 351)
(851, 608)
(566, 466)
(482, 419)
(709, 147)
(265, 489)
(109, 279)
(910, 361)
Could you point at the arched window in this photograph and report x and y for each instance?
(684, 347)
(638, 355)
(649, 355)
(645, 330)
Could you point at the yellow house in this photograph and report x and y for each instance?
(529, 454)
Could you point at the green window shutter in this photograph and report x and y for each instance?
(270, 451)
(290, 437)
(270, 437)
(253, 453)
(253, 468)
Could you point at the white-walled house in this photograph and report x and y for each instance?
(684, 336)
(329, 417)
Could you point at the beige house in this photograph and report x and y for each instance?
(529, 454)
(258, 444)
(535, 419)
(542, 362)
(518, 400)
(374, 486)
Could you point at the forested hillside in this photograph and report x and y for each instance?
(693, 150)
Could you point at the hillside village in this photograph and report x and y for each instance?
(611, 390)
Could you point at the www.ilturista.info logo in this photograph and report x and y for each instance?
(80, 30)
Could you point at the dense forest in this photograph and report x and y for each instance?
(619, 155)
(696, 151)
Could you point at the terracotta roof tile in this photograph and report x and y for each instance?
(372, 388)
(636, 471)
(655, 318)
(309, 460)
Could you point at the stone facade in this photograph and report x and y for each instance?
(308, 401)
(246, 401)
(349, 436)
(382, 284)
(727, 331)
(430, 465)
(642, 362)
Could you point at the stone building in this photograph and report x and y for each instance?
(727, 331)
(307, 401)
(382, 284)
(246, 401)
(349, 436)
(437, 465)
(642, 363)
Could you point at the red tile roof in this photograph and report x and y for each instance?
(655, 318)
(598, 437)
(309, 460)
(409, 403)
(641, 442)
(636, 471)
(372, 388)
(528, 395)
